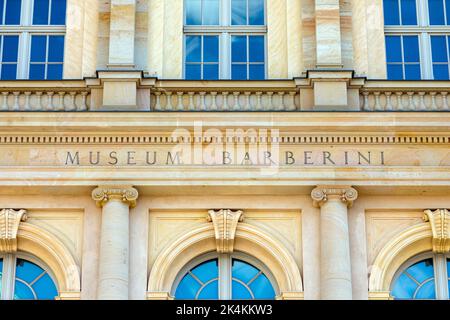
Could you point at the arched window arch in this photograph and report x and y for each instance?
(224, 276)
(25, 277)
(426, 276)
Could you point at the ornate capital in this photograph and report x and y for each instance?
(225, 222)
(345, 194)
(9, 225)
(440, 226)
(104, 194)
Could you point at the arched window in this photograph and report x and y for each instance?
(225, 277)
(25, 277)
(423, 277)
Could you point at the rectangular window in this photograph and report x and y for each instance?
(440, 56)
(403, 58)
(231, 46)
(42, 57)
(9, 45)
(439, 12)
(400, 12)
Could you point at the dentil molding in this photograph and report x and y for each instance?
(440, 226)
(103, 194)
(225, 222)
(322, 194)
(9, 225)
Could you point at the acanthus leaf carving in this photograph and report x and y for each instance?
(440, 227)
(9, 225)
(225, 223)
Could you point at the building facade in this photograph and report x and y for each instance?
(224, 149)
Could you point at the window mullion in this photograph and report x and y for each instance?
(441, 277)
(225, 277)
(426, 56)
(9, 275)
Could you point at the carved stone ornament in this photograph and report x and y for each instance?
(9, 225)
(102, 195)
(440, 226)
(225, 222)
(321, 195)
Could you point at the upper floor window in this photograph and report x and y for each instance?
(32, 39)
(417, 39)
(24, 277)
(225, 39)
(238, 279)
(423, 277)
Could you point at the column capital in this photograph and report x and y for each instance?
(322, 194)
(126, 194)
(440, 226)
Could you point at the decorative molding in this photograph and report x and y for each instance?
(322, 194)
(159, 296)
(380, 295)
(168, 139)
(69, 295)
(103, 194)
(9, 225)
(440, 226)
(225, 222)
(291, 296)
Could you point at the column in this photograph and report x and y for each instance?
(328, 34)
(122, 31)
(335, 266)
(114, 240)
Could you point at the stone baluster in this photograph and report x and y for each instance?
(433, 106)
(281, 105)
(258, 101)
(366, 105)
(292, 106)
(411, 105)
(72, 106)
(191, 101)
(61, 106)
(202, 101)
(248, 105)
(113, 274)
(157, 101)
(422, 105)
(225, 103)
(83, 106)
(27, 106)
(169, 105)
(180, 106)
(270, 102)
(16, 106)
(444, 101)
(399, 101)
(388, 96)
(236, 106)
(38, 106)
(214, 101)
(50, 101)
(378, 106)
(5, 106)
(335, 267)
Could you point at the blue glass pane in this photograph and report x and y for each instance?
(211, 49)
(10, 48)
(391, 12)
(238, 12)
(193, 72)
(436, 10)
(55, 48)
(37, 72)
(262, 288)
(412, 72)
(210, 12)
(13, 12)
(9, 71)
(440, 72)
(239, 72)
(207, 271)
(45, 288)
(447, 10)
(409, 12)
(58, 16)
(243, 271)
(210, 292)
(211, 72)
(239, 48)
(38, 48)
(439, 48)
(411, 48)
(422, 271)
(427, 291)
(256, 12)
(1, 10)
(257, 72)
(22, 292)
(395, 72)
(54, 72)
(393, 49)
(193, 48)
(40, 11)
(256, 48)
(27, 271)
(239, 292)
(193, 12)
(404, 287)
(187, 289)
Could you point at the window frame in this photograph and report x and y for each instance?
(441, 274)
(26, 30)
(225, 271)
(9, 277)
(424, 31)
(225, 30)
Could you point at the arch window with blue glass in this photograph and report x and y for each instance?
(32, 34)
(24, 277)
(225, 39)
(425, 277)
(225, 277)
(417, 36)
